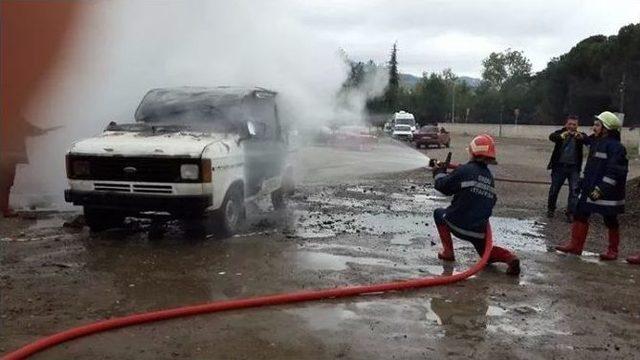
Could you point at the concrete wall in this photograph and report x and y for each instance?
(630, 138)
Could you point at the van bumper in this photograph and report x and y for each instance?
(135, 203)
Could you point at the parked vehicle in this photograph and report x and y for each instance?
(402, 132)
(404, 118)
(193, 153)
(430, 135)
(354, 137)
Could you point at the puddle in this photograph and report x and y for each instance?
(409, 229)
(325, 317)
(311, 260)
(47, 223)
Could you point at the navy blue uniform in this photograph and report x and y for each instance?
(606, 168)
(474, 197)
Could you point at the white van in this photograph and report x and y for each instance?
(404, 118)
(193, 153)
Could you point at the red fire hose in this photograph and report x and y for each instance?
(533, 182)
(226, 305)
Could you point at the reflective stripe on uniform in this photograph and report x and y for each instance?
(609, 180)
(600, 155)
(478, 184)
(466, 184)
(472, 234)
(440, 175)
(606, 202)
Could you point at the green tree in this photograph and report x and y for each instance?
(506, 77)
(508, 66)
(393, 87)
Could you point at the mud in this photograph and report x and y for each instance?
(347, 224)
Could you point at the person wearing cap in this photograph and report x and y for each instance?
(565, 164)
(474, 197)
(602, 188)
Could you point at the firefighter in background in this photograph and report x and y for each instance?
(13, 151)
(602, 188)
(474, 197)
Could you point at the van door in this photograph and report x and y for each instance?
(265, 152)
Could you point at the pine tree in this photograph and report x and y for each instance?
(393, 87)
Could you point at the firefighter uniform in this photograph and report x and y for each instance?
(474, 197)
(602, 187)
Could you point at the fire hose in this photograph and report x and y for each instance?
(447, 163)
(237, 304)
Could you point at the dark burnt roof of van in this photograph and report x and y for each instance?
(178, 99)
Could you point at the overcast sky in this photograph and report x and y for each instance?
(433, 35)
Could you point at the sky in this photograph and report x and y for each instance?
(434, 35)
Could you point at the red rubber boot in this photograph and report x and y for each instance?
(579, 232)
(503, 255)
(614, 241)
(447, 244)
(634, 259)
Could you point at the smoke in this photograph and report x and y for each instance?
(121, 49)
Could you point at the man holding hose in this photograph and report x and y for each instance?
(474, 197)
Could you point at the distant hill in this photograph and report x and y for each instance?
(409, 81)
(470, 81)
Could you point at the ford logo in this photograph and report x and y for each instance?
(130, 170)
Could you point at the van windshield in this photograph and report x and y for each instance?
(209, 120)
(409, 122)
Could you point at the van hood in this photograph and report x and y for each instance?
(127, 143)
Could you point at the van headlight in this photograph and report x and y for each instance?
(190, 171)
(80, 168)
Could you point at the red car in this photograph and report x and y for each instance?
(430, 135)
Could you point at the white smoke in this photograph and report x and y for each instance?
(121, 49)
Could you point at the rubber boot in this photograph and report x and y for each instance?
(4, 203)
(634, 259)
(447, 244)
(579, 232)
(614, 241)
(503, 255)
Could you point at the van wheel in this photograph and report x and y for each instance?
(231, 215)
(100, 219)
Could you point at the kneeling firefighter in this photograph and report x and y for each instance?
(602, 188)
(474, 197)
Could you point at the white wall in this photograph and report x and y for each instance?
(629, 138)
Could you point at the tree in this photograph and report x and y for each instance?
(431, 98)
(392, 91)
(507, 78)
(507, 66)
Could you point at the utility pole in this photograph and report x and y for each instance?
(501, 111)
(453, 101)
(622, 85)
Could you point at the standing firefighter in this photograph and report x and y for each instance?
(602, 186)
(474, 197)
(565, 164)
(13, 151)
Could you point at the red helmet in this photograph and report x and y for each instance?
(483, 145)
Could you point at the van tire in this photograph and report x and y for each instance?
(231, 215)
(100, 219)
